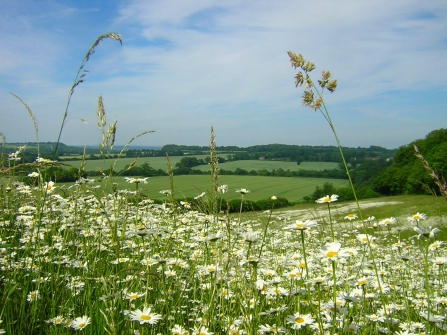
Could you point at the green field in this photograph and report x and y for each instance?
(293, 189)
(104, 164)
(160, 163)
(270, 165)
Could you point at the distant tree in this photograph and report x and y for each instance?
(406, 175)
(188, 162)
(147, 170)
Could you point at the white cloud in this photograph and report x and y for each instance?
(187, 65)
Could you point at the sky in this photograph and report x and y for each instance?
(188, 65)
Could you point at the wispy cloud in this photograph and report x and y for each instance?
(187, 65)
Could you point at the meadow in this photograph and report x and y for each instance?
(102, 263)
(189, 186)
(82, 258)
(160, 163)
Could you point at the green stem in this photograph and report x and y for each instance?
(334, 297)
(304, 252)
(330, 222)
(265, 231)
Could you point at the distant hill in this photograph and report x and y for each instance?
(407, 174)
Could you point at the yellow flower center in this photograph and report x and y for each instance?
(299, 320)
(332, 254)
(81, 325)
(145, 317)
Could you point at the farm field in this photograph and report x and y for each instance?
(160, 163)
(103, 164)
(270, 165)
(293, 189)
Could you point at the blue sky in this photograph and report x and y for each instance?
(185, 66)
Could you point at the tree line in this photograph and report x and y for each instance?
(373, 171)
(405, 174)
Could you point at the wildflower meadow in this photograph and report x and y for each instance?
(83, 259)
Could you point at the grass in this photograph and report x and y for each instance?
(293, 189)
(160, 163)
(104, 264)
(103, 164)
(270, 165)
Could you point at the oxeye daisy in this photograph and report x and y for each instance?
(49, 187)
(179, 330)
(185, 204)
(426, 232)
(145, 316)
(222, 189)
(387, 221)
(80, 322)
(327, 199)
(333, 251)
(439, 260)
(32, 296)
(417, 217)
(435, 245)
(136, 180)
(364, 238)
(375, 318)
(300, 225)
(351, 217)
(133, 295)
(58, 320)
(298, 320)
(243, 191)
